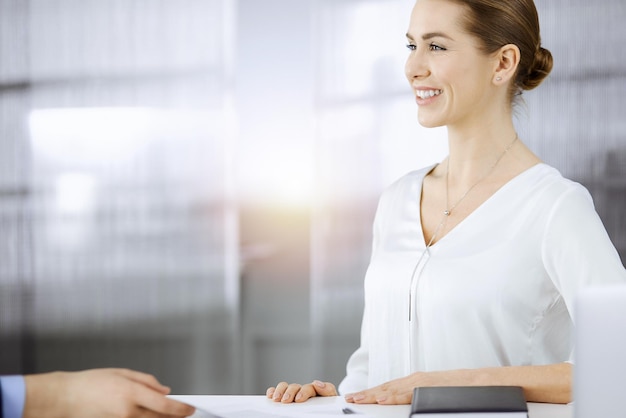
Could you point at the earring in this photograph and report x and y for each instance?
(498, 78)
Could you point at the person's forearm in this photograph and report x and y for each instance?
(549, 384)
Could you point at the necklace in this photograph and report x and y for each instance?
(448, 211)
(446, 214)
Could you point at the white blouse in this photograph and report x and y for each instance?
(497, 290)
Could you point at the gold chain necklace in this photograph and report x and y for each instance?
(447, 212)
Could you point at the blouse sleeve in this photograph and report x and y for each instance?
(577, 250)
(357, 368)
(358, 365)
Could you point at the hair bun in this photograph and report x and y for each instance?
(537, 72)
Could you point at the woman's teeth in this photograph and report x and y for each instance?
(426, 94)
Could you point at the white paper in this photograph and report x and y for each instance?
(258, 407)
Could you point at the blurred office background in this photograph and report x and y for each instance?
(187, 187)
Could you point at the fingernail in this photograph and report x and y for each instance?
(381, 400)
(298, 396)
(359, 397)
(285, 396)
(349, 397)
(276, 395)
(319, 383)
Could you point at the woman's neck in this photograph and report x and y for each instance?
(472, 151)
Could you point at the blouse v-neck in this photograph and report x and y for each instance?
(476, 212)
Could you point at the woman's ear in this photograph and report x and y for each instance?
(507, 60)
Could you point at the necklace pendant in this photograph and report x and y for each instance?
(446, 212)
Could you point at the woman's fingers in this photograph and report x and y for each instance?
(277, 392)
(324, 388)
(390, 393)
(294, 392)
(286, 393)
(290, 393)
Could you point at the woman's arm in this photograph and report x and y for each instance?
(549, 384)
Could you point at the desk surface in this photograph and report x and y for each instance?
(261, 407)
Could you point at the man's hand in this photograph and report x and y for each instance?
(103, 393)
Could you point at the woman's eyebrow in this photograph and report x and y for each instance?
(430, 35)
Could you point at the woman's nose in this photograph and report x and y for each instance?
(415, 66)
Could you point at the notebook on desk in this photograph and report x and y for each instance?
(600, 356)
(469, 402)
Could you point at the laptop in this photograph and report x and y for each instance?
(600, 353)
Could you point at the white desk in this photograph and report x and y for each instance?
(261, 407)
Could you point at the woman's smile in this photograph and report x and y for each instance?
(424, 95)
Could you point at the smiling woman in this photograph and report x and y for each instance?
(476, 260)
(461, 76)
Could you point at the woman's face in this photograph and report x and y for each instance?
(449, 75)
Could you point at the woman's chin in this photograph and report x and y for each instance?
(429, 122)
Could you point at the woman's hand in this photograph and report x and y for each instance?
(294, 392)
(400, 391)
(394, 392)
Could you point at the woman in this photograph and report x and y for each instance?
(476, 260)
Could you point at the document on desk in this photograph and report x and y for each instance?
(293, 412)
(259, 407)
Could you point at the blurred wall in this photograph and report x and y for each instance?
(274, 94)
(119, 242)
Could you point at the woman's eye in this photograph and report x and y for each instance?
(411, 47)
(435, 47)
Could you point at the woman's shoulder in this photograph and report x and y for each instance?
(410, 179)
(406, 188)
(546, 182)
